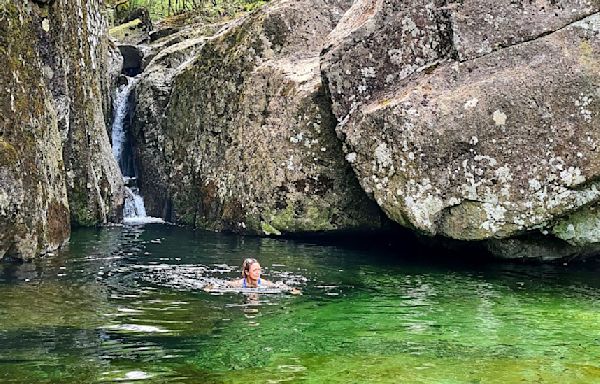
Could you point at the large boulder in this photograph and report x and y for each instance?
(166, 60)
(244, 139)
(474, 125)
(56, 166)
(508, 22)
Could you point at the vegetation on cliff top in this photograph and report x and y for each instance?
(159, 9)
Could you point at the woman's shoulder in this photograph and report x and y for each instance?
(267, 283)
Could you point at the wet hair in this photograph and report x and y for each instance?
(246, 266)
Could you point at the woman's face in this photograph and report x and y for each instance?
(254, 271)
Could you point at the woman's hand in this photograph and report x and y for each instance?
(295, 291)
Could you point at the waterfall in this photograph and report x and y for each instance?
(134, 204)
(134, 211)
(121, 107)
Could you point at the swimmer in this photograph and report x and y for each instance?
(251, 272)
(251, 276)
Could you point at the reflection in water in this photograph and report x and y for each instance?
(489, 323)
(125, 304)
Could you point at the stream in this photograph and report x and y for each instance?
(125, 304)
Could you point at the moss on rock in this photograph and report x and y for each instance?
(580, 228)
(52, 132)
(8, 154)
(246, 141)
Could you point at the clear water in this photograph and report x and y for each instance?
(126, 305)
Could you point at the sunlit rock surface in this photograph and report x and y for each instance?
(246, 141)
(474, 121)
(56, 166)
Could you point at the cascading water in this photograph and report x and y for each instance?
(134, 211)
(120, 106)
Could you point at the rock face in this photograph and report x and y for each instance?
(165, 60)
(245, 139)
(56, 166)
(474, 125)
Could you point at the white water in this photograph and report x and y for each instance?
(120, 105)
(134, 211)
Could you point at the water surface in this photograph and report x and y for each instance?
(125, 304)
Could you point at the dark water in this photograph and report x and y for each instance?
(125, 305)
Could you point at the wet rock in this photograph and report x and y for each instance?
(166, 59)
(111, 82)
(473, 134)
(537, 247)
(244, 139)
(132, 59)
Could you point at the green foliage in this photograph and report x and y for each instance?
(209, 8)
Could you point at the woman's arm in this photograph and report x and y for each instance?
(239, 283)
(295, 291)
(225, 284)
(286, 288)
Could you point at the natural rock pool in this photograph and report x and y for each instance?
(125, 304)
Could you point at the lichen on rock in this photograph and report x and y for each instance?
(462, 141)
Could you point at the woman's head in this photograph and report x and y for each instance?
(251, 269)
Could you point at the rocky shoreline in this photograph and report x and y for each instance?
(314, 117)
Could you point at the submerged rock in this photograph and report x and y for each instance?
(56, 166)
(244, 140)
(474, 125)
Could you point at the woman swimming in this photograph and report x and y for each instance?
(251, 271)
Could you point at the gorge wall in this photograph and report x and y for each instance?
(56, 166)
(235, 132)
(473, 121)
(468, 120)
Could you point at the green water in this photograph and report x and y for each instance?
(126, 305)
